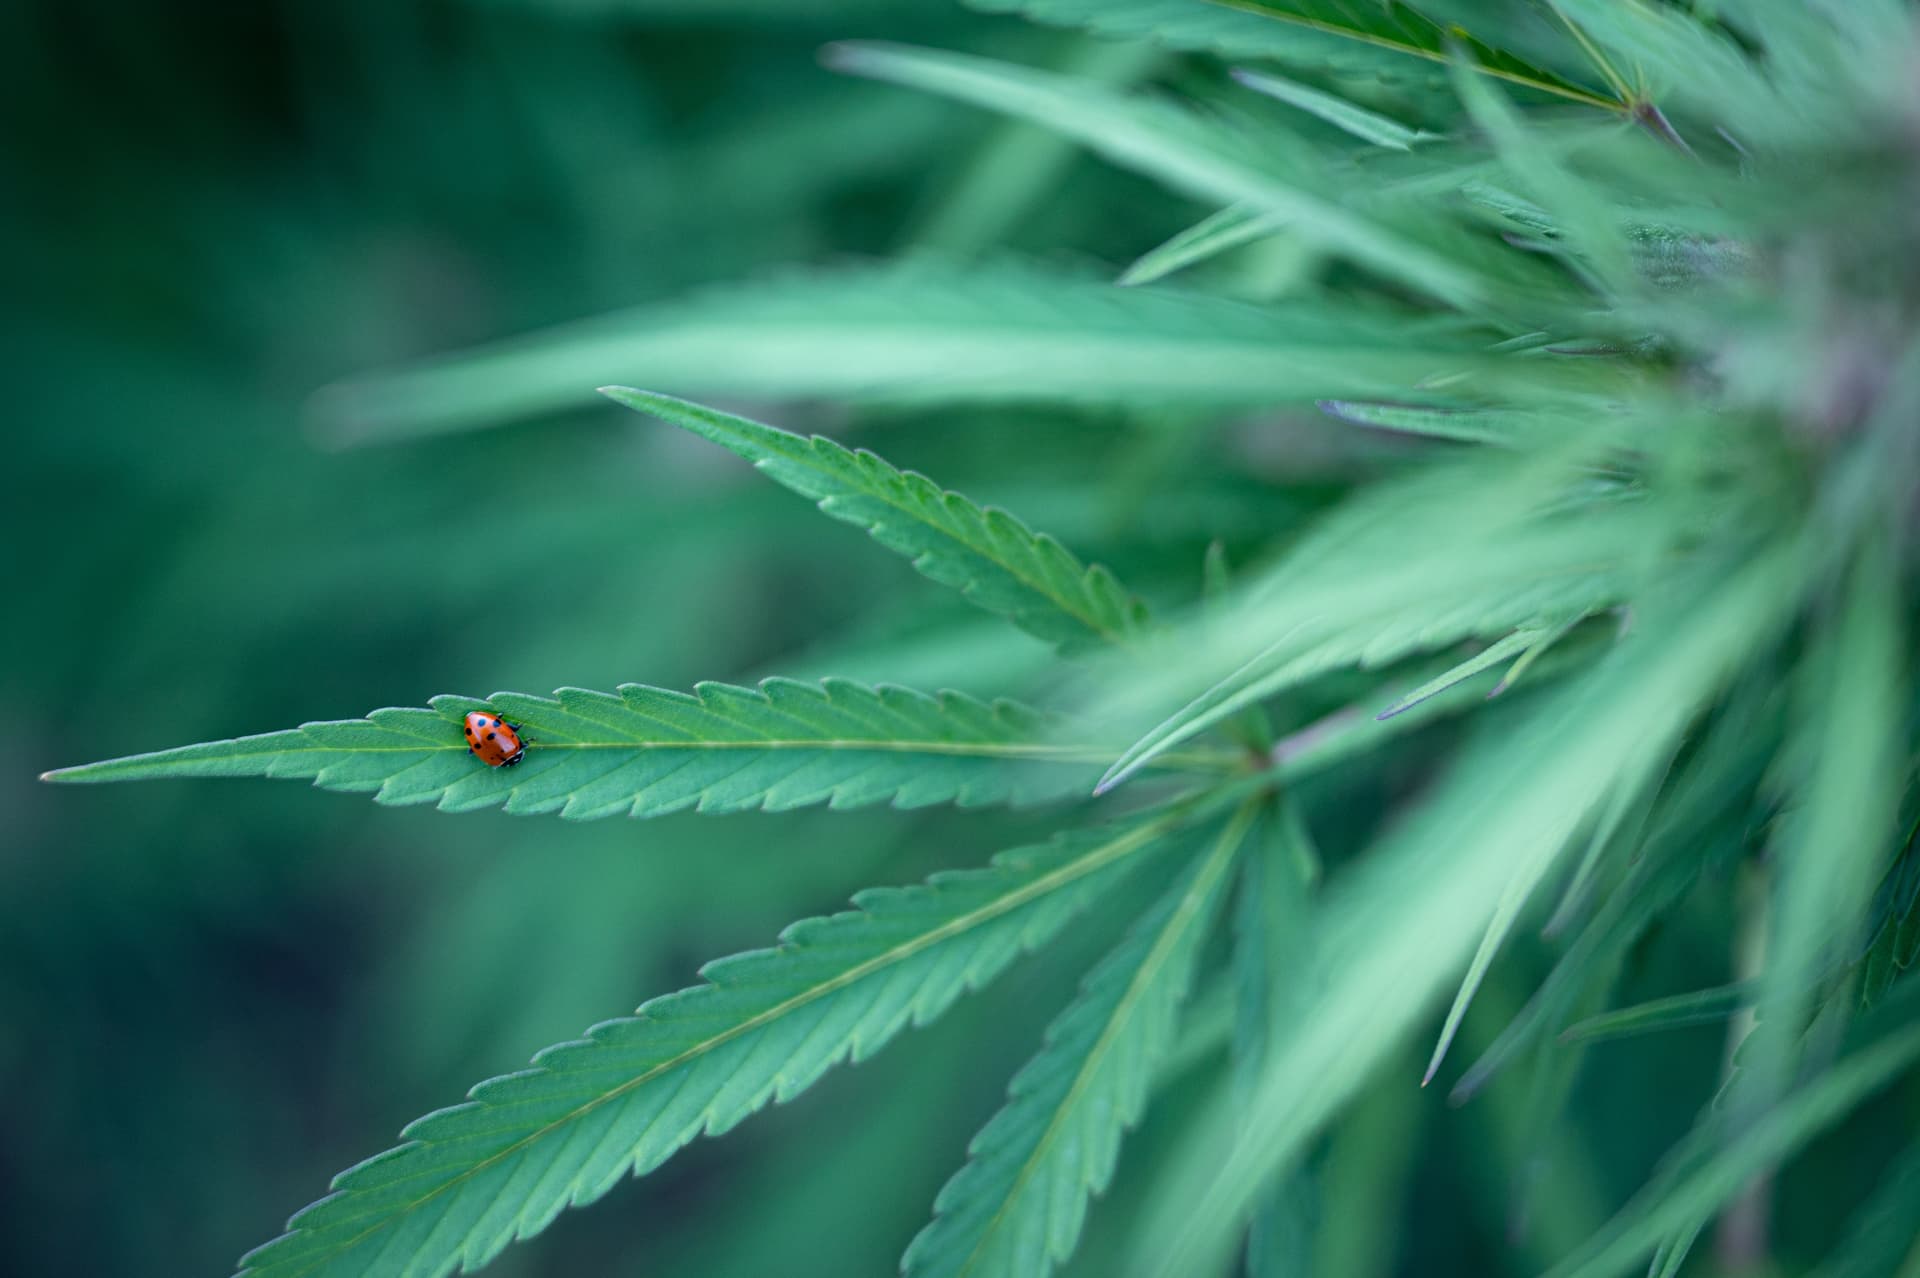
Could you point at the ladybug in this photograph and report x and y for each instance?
(496, 741)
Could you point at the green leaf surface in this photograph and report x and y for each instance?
(1211, 236)
(925, 331)
(1456, 553)
(1683, 62)
(1368, 126)
(1339, 34)
(763, 1027)
(1893, 937)
(1468, 425)
(1270, 960)
(1487, 658)
(1831, 850)
(1697, 824)
(647, 751)
(986, 554)
(1527, 873)
(1676, 1011)
(1196, 155)
(1383, 952)
(1016, 1209)
(1584, 216)
(1716, 1161)
(1881, 1234)
(1621, 822)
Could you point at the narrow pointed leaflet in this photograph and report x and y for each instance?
(1016, 1209)
(471, 1179)
(647, 751)
(987, 555)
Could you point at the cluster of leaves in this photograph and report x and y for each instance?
(1646, 278)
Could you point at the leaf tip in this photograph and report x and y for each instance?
(79, 772)
(843, 55)
(631, 396)
(1115, 775)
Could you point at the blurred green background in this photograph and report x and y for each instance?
(214, 995)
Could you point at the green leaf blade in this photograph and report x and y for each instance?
(1379, 39)
(1350, 596)
(922, 331)
(1676, 1011)
(1189, 153)
(648, 752)
(1713, 1163)
(1357, 121)
(1017, 1207)
(1386, 952)
(766, 1024)
(1229, 228)
(986, 554)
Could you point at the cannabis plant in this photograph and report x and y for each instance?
(1617, 627)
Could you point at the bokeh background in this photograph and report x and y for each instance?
(214, 995)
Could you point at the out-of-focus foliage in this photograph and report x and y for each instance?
(1395, 356)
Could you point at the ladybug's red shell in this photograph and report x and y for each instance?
(493, 739)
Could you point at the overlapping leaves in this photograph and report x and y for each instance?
(988, 555)
(763, 1027)
(920, 331)
(1349, 35)
(1015, 1210)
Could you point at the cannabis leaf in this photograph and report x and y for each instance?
(1476, 426)
(925, 331)
(1880, 1235)
(1200, 156)
(1438, 572)
(1369, 126)
(1383, 952)
(766, 1024)
(647, 751)
(1211, 236)
(1676, 1011)
(1692, 828)
(1717, 1158)
(1272, 920)
(1015, 1210)
(1238, 224)
(986, 554)
(1367, 35)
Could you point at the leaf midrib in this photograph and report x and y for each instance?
(1073, 608)
(1098, 858)
(1088, 754)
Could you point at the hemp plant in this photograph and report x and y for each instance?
(1625, 621)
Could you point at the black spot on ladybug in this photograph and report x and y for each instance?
(490, 736)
